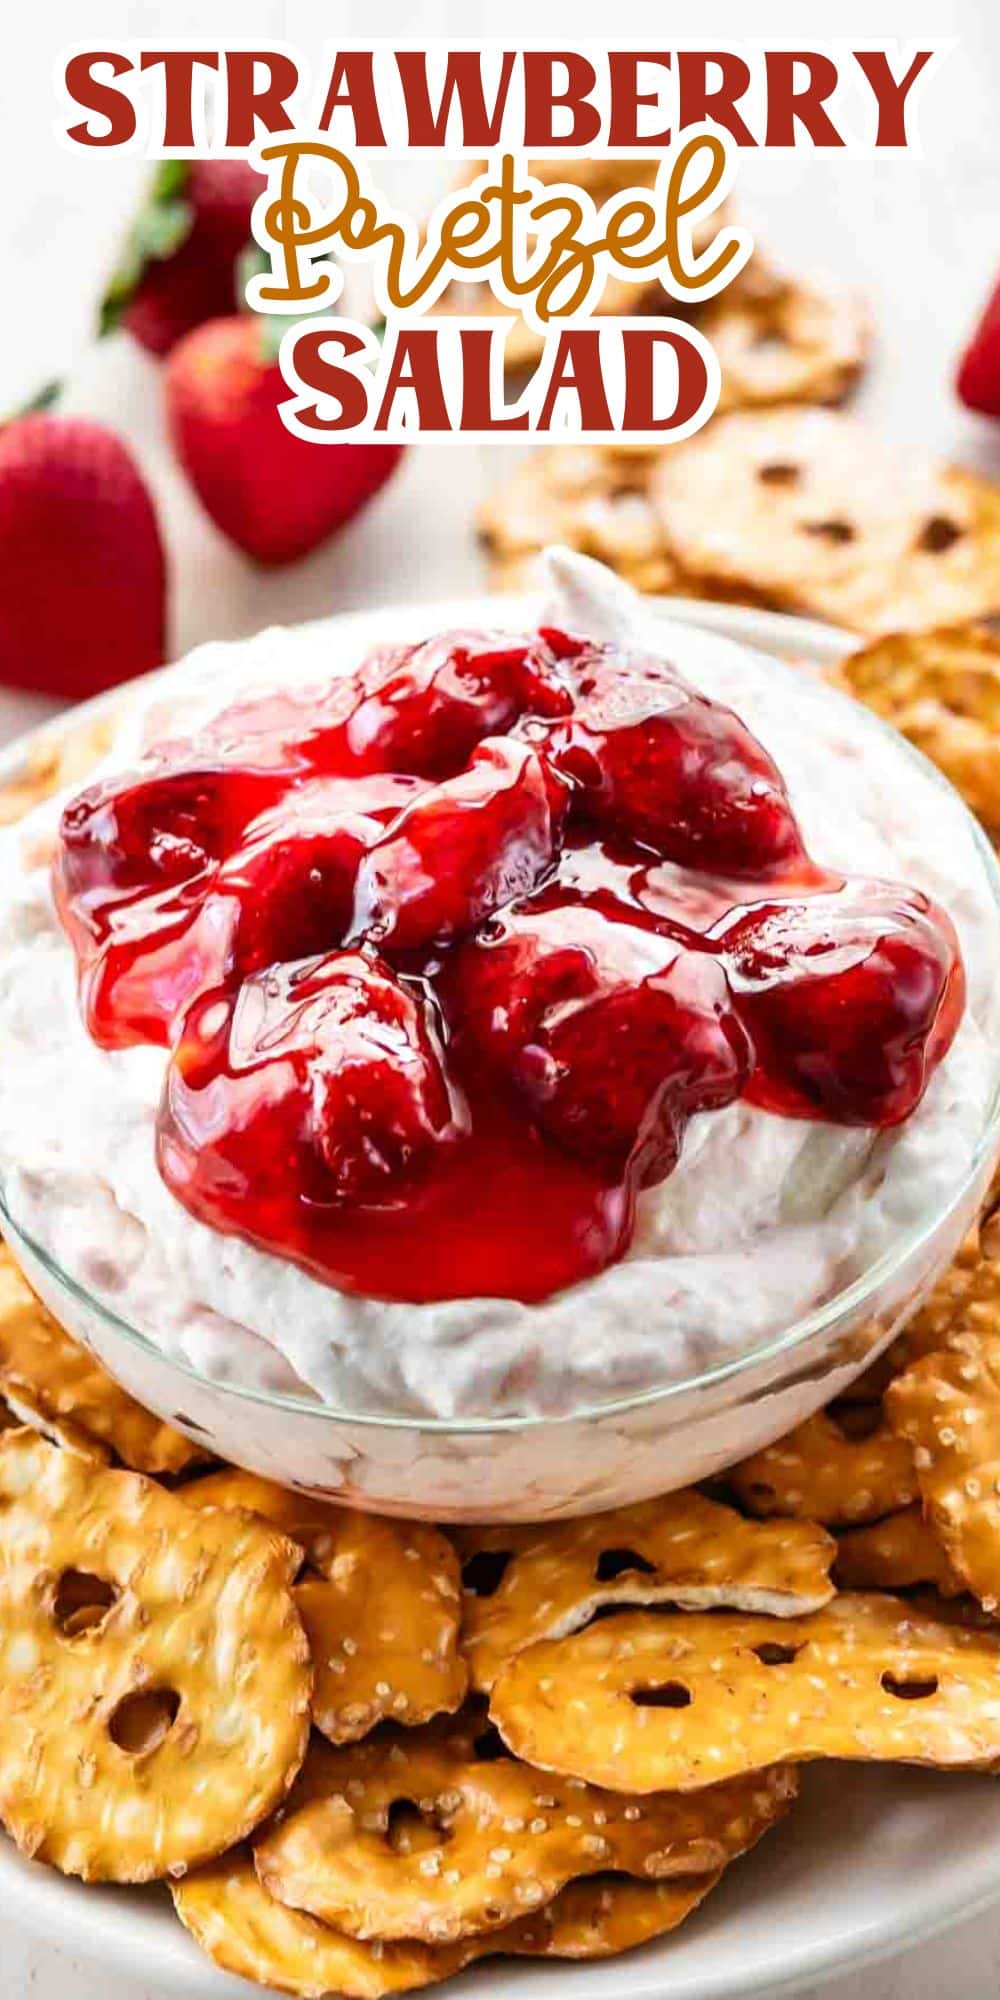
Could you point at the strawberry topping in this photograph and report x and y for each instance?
(654, 760)
(614, 1033)
(448, 952)
(850, 1000)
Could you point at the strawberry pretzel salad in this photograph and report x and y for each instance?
(480, 1023)
(496, 1024)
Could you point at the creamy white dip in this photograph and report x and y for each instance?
(763, 1218)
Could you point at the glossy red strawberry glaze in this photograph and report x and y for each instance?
(448, 953)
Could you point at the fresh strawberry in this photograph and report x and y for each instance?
(180, 265)
(276, 495)
(979, 370)
(462, 850)
(82, 569)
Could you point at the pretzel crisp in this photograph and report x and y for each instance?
(817, 1473)
(154, 1677)
(244, 1930)
(682, 1699)
(780, 340)
(20, 1408)
(594, 498)
(404, 1839)
(59, 760)
(61, 1389)
(947, 1409)
(382, 1617)
(802, 509)
(942, 690)
(682, 1550)
(966, 1294)
(311, 1523)
(973, 1275)
(898, 1553)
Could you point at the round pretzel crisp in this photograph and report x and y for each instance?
(780, 340)
(683, 1549)
(408, 1839)
(154, 1676)
(62, 1386)
(230, 1915)
(244, 1930)
(382, 1617)
(802, 509)
(817, 1473)
(683, 1699)
(942, 690)
(594, 498)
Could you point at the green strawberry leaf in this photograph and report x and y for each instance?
(253, 263)
(163, 223)
(43, 399)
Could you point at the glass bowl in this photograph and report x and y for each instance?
(531, 1468)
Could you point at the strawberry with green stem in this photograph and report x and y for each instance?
(180, 264)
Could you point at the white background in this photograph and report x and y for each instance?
(922, 237)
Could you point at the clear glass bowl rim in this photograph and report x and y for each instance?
(823, 1317)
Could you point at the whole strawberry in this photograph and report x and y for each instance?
(82, 572)
(274, 494)
(180, 263)
(979, 370)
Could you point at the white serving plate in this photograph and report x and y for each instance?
(871, 1861)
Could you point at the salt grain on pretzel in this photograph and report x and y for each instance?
(942, 690)
(654, 1701)
(62, 1389)
(898, 1553)
(245, 1931)
(819, 1473)
(382, 1617)
(407, 1839)
(947, 1409)
(154, 1676)
(683, 1549)
(802, 509)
